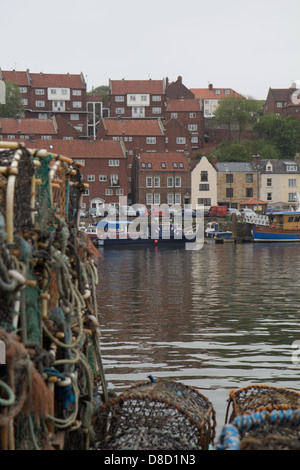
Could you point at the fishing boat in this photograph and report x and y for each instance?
(284, 226)
(213, 231)
(118, 232)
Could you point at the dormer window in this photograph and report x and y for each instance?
(269, 167)
(291, 167)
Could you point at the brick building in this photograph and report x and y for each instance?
(189, 113)
(104, 167)
(161, 178)
(137, 98)
(46, 95)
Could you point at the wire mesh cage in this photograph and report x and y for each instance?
(267, 429)
(253, 397)
(162, 414)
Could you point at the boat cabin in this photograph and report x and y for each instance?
(285, 220)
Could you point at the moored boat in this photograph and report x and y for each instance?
(213, 231)
(284, 226)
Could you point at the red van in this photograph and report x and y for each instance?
(218, 211)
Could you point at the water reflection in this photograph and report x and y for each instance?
(218, 318)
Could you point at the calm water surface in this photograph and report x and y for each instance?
(219, 318)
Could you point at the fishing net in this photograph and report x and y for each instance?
(267, 429)
(48, 308)
(156, 415)
(248, 399)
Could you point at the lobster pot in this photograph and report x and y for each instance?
(156, 415)
(278, 429)
(253, 397)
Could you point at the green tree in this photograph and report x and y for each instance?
(13, 107)
(239, 110)
(281, 132)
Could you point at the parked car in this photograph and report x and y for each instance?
(247, 211)
(234, 211)
(209, 115)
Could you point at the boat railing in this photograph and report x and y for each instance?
(257, 219)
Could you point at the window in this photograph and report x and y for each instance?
(163, 165)
(156, 110)
(269, 181)
(132, 98)
(177, 198)
(113, 162)
(149, 165)
(77, 104)
(292, 182)
(149, 198)
(156, 98)
(149, 182)
(108, 192)
(269, 168)
(24, 101)
(10, 137)
(91, 177)
(177, 181)
(279, 104)
(217, 92)
(174, 115)
(119, 98)
(151, 140)
(181, 165)
(204, 176)
(203, 187)
(170, 198)
(229, 192)
(269, 196)
(144, 98)
(249, 192)
(192, 115)
(53, 91)
(174, 165)
(143, 165)
(229, 178)
(170, 182)
(114, 179)
(180, 140)
(102, 178)
(86, 192)
(74, 117)
(156, 198)
(39, 91)
(40, 104)
(194, 140)
(249, 178)
(156, 181)
(192, 127)
(76, 92)
(46, 137)
(42, 115)
(23, 89)
(204, 201)
(116, 138)
(292, 197)
(120, 110)
(119, 192)
(67, 138)
(227, 92)
(291, 167)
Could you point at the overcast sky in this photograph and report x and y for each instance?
(245, 45)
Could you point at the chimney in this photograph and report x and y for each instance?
(210, 86)
(214, 160)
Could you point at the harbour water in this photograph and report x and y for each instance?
(219, 318)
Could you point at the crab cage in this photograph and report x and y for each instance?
(261, 417)
(162, 414)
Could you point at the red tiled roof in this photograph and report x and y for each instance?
(133, 127)
(81, 148)
(183, 105)
(206, 93)
(156, 159)
(122, 87)
(252, 201)
(56, 80)
(20, 78)
(27, 126)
